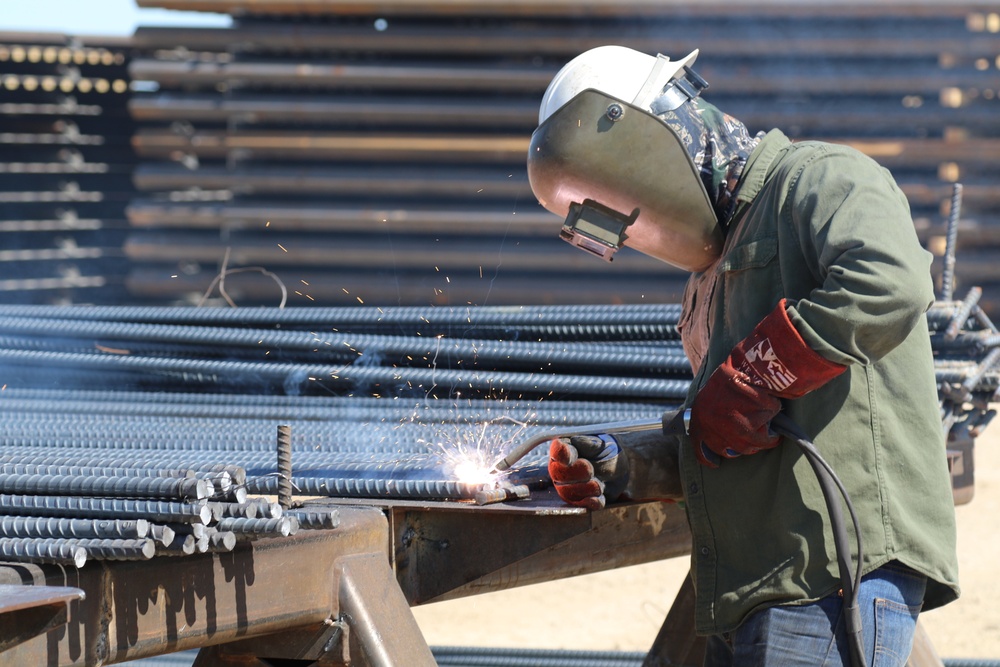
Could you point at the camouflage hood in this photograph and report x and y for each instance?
(719, 146)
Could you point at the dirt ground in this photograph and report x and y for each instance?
(623, 609)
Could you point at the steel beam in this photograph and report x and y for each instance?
(29, 611)
(133, 610)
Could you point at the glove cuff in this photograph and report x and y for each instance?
(774, 356)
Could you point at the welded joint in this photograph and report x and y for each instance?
(501, 493)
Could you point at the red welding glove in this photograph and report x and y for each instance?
(587, 470)
(731, 413)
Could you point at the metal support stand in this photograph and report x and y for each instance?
(384, 632)
(676, 644)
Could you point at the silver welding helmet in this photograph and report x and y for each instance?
(618, 174)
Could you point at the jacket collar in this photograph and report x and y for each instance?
(759, 165)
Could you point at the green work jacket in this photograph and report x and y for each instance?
(826, 228)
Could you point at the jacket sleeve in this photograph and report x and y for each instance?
(853, 226)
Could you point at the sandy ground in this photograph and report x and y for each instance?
(623, 609)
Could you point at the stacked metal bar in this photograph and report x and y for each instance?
(390, 403)
(375, 150)
(401, 403)
(65, 168)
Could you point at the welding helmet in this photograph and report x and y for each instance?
(602, 158)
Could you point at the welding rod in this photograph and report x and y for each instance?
(609, 428)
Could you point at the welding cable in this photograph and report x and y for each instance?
(833, 492)
(352, 378)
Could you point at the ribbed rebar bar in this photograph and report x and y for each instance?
(385, 318)
(180, 545)
(354, 487)
(104, 487)
(18, 526)
(360, 408)
(101, 549)
(948, 272)
(962, 312)
(316, 519)
(284, 468)
(448, 656)
(245, 510)
(342, 348)
(76, 470)
(268, 510)
(163, 534)
(199, 530)
(210, 372)
(47, 550)
(221, 541)
(244, 528)
(157, 511)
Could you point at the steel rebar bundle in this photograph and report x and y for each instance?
(169, 416)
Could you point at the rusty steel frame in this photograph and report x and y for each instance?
(339, 596)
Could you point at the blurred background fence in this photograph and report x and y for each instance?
(334, 153)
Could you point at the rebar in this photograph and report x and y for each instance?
(353, 378)
(157, 511)
(105, 487)
(948, 272)
(346, 317)
(503, 493)
(342, 348)
(101, 549)
(180, 545)
(268, 510)
(221, 541)
(355, 487)
(285, 466)
(377, 431)
(45, 550)
(316, 519)
(76, 470)
(32, 527)
(312, 408)
(246, 528)
(962, 312)
(199, 530)
(163, 535)
(244, 510)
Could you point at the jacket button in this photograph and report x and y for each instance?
(705, 551)
(692, 488)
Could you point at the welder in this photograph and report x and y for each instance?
(807, 296)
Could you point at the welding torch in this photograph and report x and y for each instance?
(609, 428)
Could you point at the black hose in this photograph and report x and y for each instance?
(831, 486)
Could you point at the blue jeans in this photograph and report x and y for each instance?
(812, 635)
